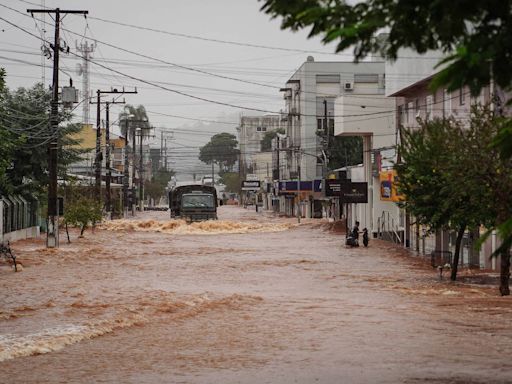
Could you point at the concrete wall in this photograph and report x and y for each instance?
(410, 68)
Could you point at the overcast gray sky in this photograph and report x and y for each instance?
(231, 20)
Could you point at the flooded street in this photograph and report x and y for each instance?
(251, 298)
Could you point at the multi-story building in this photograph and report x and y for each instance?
(251, 132)
(323, 99)
(408, 80)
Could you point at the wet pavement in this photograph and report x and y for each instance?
(251, 298)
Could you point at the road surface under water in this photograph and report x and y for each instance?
(249, 299)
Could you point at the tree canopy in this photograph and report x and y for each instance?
(24, 119)
(452, 176)
(474, 35)
(221, 149)
(266, 142)
(131, 118)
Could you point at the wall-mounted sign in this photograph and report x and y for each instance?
(333, 187)
(355, 193)
(388, 190)
(250, 185)
(348, 192)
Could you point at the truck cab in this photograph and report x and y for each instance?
(193, 202)
(198, 206)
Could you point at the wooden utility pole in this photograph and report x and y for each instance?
(98, 157)
(52, 236)
(108, 203)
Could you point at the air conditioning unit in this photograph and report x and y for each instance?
(348, 86)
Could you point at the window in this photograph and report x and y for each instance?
(258, 129)
(366, 78)
(430, 107)
(263, 129)
(410, 112)
(328, 79)
(462, 96)
(447, 103)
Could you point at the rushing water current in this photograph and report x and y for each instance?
(251, 298)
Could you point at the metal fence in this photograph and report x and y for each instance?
(18, 213)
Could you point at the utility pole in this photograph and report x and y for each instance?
(52, 236)
(165, 160)
(108, 203)
(141, 170)
(298, 184)
(126, 175)
(141, 178)
(161, 149)
(98, 158)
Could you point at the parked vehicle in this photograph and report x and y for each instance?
(193, 202)
(351, 241)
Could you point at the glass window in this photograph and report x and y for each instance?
(197, 201)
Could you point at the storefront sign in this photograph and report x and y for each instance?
(348, 192)
(355, 193)
(250, 185)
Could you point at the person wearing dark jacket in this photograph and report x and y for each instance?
(365, 237)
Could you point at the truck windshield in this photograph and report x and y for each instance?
(197, 201)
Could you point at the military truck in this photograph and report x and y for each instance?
(193, 202)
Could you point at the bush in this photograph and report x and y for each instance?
(81, 213)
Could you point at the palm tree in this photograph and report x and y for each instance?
(132, 118)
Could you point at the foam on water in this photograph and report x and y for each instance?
(211, 227)
(150, 308)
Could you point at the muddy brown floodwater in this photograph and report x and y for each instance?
(248, 299)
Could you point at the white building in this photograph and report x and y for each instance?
(337, 98)
(407, 81)
(251, 132)
(310, 93)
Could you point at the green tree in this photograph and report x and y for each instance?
(495, 175)
(345, 150)
(156, 187)
(266, 142)
(221, 149)
(132, 118)
(82, 213)
(9, 140)
(452, 180)
(475, 35)
(426, 178)
(231, 180)
(25, 111)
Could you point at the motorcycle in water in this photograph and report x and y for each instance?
(353, 238)
(351, 241)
